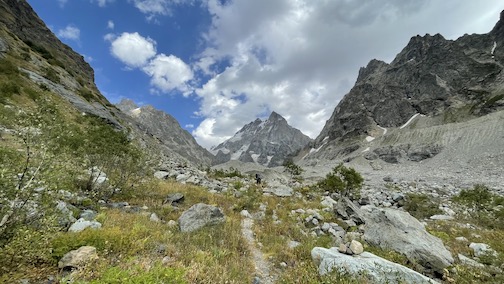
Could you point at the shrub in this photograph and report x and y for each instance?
(293, 169)
(485, 208)
(421, 206)
(52, 75)
(342, 180)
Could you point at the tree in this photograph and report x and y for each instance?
(343, 180)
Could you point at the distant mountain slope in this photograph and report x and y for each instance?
(266, 143)
(41, 63)
(166, 129)
(447, 81)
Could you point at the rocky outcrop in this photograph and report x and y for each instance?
(167, 131)
(18, 17)
(266, 143)
(78, 258)
(449, 80)
(365, 266)
(399, 231)
(199, 216)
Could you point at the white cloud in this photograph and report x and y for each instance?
(168, 73)
(103, 3)
(69, 32)
(153, 7)
(300, 57)
(110, 24)
(62, 3)
(132, 49)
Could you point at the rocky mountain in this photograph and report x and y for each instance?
(266, 143)
(50, 65)
(433, 82)
(167, 131)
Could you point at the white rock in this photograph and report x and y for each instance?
(83, 224)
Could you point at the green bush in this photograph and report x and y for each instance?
(292, 168)
(421, 206)
(342, 180)
(7, 67)
(484, 207)
(52, 75)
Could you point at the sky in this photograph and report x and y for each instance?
(216, 65)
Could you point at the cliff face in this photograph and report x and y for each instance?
(167, 131)
(266, 143)
(431, 76)
(18, 17)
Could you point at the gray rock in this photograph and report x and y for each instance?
(174, 198)
(356, 247)
(83, 224)
(368, 265)
(441, 217)
(347, 210)
(469, 262)
(78, 258)
(161, 175)
(154, 218)
(481, 249)
(293, 244)
(279, 190)
(399, 231)
(198, 216)
(88, 215)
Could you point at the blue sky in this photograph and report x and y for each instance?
(216, 65)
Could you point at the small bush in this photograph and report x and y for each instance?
(484, 207)
(421, 206)
(52, 75)
(342, 180)
(8, 68)
(292, 168)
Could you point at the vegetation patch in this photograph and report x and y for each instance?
(421, 206)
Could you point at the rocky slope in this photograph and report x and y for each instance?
(51, 65)
(438, 97)
(166, 129)
(266, 143)
(430, 76)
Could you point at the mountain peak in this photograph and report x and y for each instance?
(126, 105)
(274, 116)
(267, 143)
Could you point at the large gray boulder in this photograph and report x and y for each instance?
(200, 215)
(399, 231)
(367, 265)
(82, 224)
(78, 258)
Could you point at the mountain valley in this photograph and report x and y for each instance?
(406, 176)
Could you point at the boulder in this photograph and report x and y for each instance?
(174, 198)
(78, 258)
(365, 265)
(279, 190)
(347, 210)
(399, 231)
(200, 215)
(161, 174)
(481, 249)
(83, 224)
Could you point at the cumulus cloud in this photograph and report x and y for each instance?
(299, 58)
(132, 49)
(69, 32)
(110, 24)
(169, 72)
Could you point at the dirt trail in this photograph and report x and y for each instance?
(263, 267)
